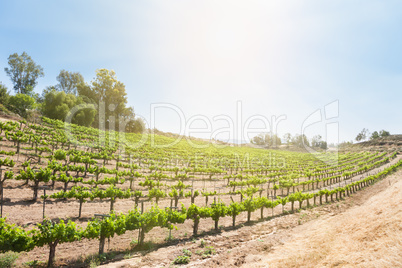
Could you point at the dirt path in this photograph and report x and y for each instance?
(364, 230)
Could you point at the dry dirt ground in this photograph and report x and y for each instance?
(364, 230)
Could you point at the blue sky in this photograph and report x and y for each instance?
(275, 57)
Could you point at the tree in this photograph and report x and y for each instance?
(108, 90)
(383, 133)
(20, 103)
(56, 105)
(267, 139)
(317, 142)
(69, 81)
(300, 140)
(45, 91)
(288, 138)
(23, 72)
(136, 126)
(362, 135)
(4, 95)
(374, 135)
(258, 140)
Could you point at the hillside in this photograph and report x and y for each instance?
(392, 142)
(145, 185)
(361, 231)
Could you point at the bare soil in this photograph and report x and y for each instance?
(364, 230)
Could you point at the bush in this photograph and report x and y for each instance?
(7, 259)
(20, 103)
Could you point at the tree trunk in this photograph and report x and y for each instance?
(35, 193)
(216, 225)
(101, 245)
(52, 253)
(248, 216)
(234, 220)
(79, 212)
(195, 226)
(142, 237)
(65, 186)
(111, 204)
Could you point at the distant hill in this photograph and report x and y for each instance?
(392, 142)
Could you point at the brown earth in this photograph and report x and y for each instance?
(364, 230)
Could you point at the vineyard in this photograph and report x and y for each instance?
(61, 185)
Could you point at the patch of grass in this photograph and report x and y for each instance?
(150, 245)
(7, 259)
(127, 256)
(95, 262)
(34, 264)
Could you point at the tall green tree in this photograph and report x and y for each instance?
(4, 95)
(69, 81)
(23, 72)
(107, 90)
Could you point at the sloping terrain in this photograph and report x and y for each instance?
(391, 143)
(364, 230)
